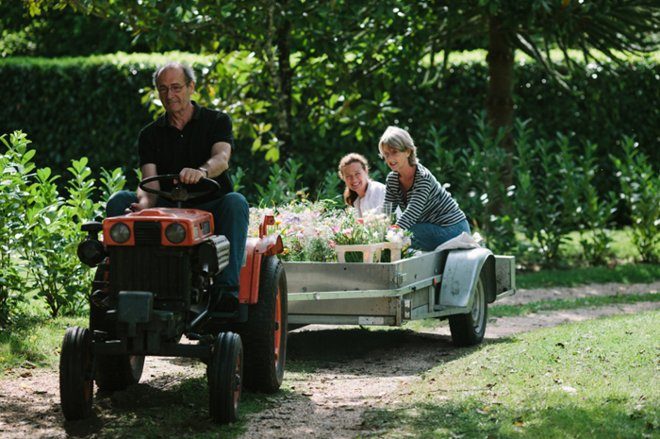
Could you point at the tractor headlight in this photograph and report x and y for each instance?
(120, 233)
(91, 252)
(175, 232)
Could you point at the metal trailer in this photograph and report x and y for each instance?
(453, 284)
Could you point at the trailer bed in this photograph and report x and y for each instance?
(382, 293)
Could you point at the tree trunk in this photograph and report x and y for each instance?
(499, 101)
(278, 51)
(284, 64)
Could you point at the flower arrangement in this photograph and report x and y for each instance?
(311, 231)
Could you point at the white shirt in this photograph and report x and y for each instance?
(373, 199)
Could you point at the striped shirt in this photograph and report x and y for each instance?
(426, 201)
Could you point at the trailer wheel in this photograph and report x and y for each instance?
(76, 372)
(225, 371)
(469, 329)
(265, 333)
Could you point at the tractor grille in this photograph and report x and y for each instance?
(147, 233)
(165, 272)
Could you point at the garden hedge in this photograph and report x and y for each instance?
(92, 106)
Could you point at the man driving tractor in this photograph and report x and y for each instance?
(192, 142)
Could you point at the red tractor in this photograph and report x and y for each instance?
(154, 284)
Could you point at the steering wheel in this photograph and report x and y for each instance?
(179, 193)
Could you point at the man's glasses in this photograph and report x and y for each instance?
(175, 88)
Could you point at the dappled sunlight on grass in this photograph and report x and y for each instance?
(477, 418)
(580, 380)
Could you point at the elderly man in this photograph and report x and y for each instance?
(192, 142)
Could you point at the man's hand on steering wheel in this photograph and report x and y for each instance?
(179, 193)
(191, 175)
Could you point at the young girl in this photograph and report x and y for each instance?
(361, 192)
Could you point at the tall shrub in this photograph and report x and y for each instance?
(640, 190)
(548, 181)
(40, 229)
(48, 247)
(471, 174)
(283, 186)
(595, 211)
(15, 167)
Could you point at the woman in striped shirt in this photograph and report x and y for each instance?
(429, 211)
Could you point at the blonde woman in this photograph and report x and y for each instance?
(361, 192)
(429, 211)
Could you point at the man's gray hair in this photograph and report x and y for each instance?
(400, 140)
(188, 72)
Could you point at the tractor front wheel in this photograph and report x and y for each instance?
(76, 374)
(225, 373)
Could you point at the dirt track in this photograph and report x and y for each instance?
(354, 370)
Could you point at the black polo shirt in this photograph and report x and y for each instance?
(171, 149)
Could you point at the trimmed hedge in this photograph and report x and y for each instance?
(73, 107)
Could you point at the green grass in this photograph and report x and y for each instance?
(590, 379)
(622, 246)
(563, 304)
(628, 274)
(35, 342)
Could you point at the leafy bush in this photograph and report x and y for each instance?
(15, 166)
(283, 185)
(640, 189)
(595, 211)
(41, 228)
(556, 194)
(472, 175)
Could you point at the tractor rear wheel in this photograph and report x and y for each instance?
(265, 333)
(469, 329)
(113, 372)
(117, 372)
(76, 372)
(225, 372)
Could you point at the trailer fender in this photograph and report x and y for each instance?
(460, 275)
